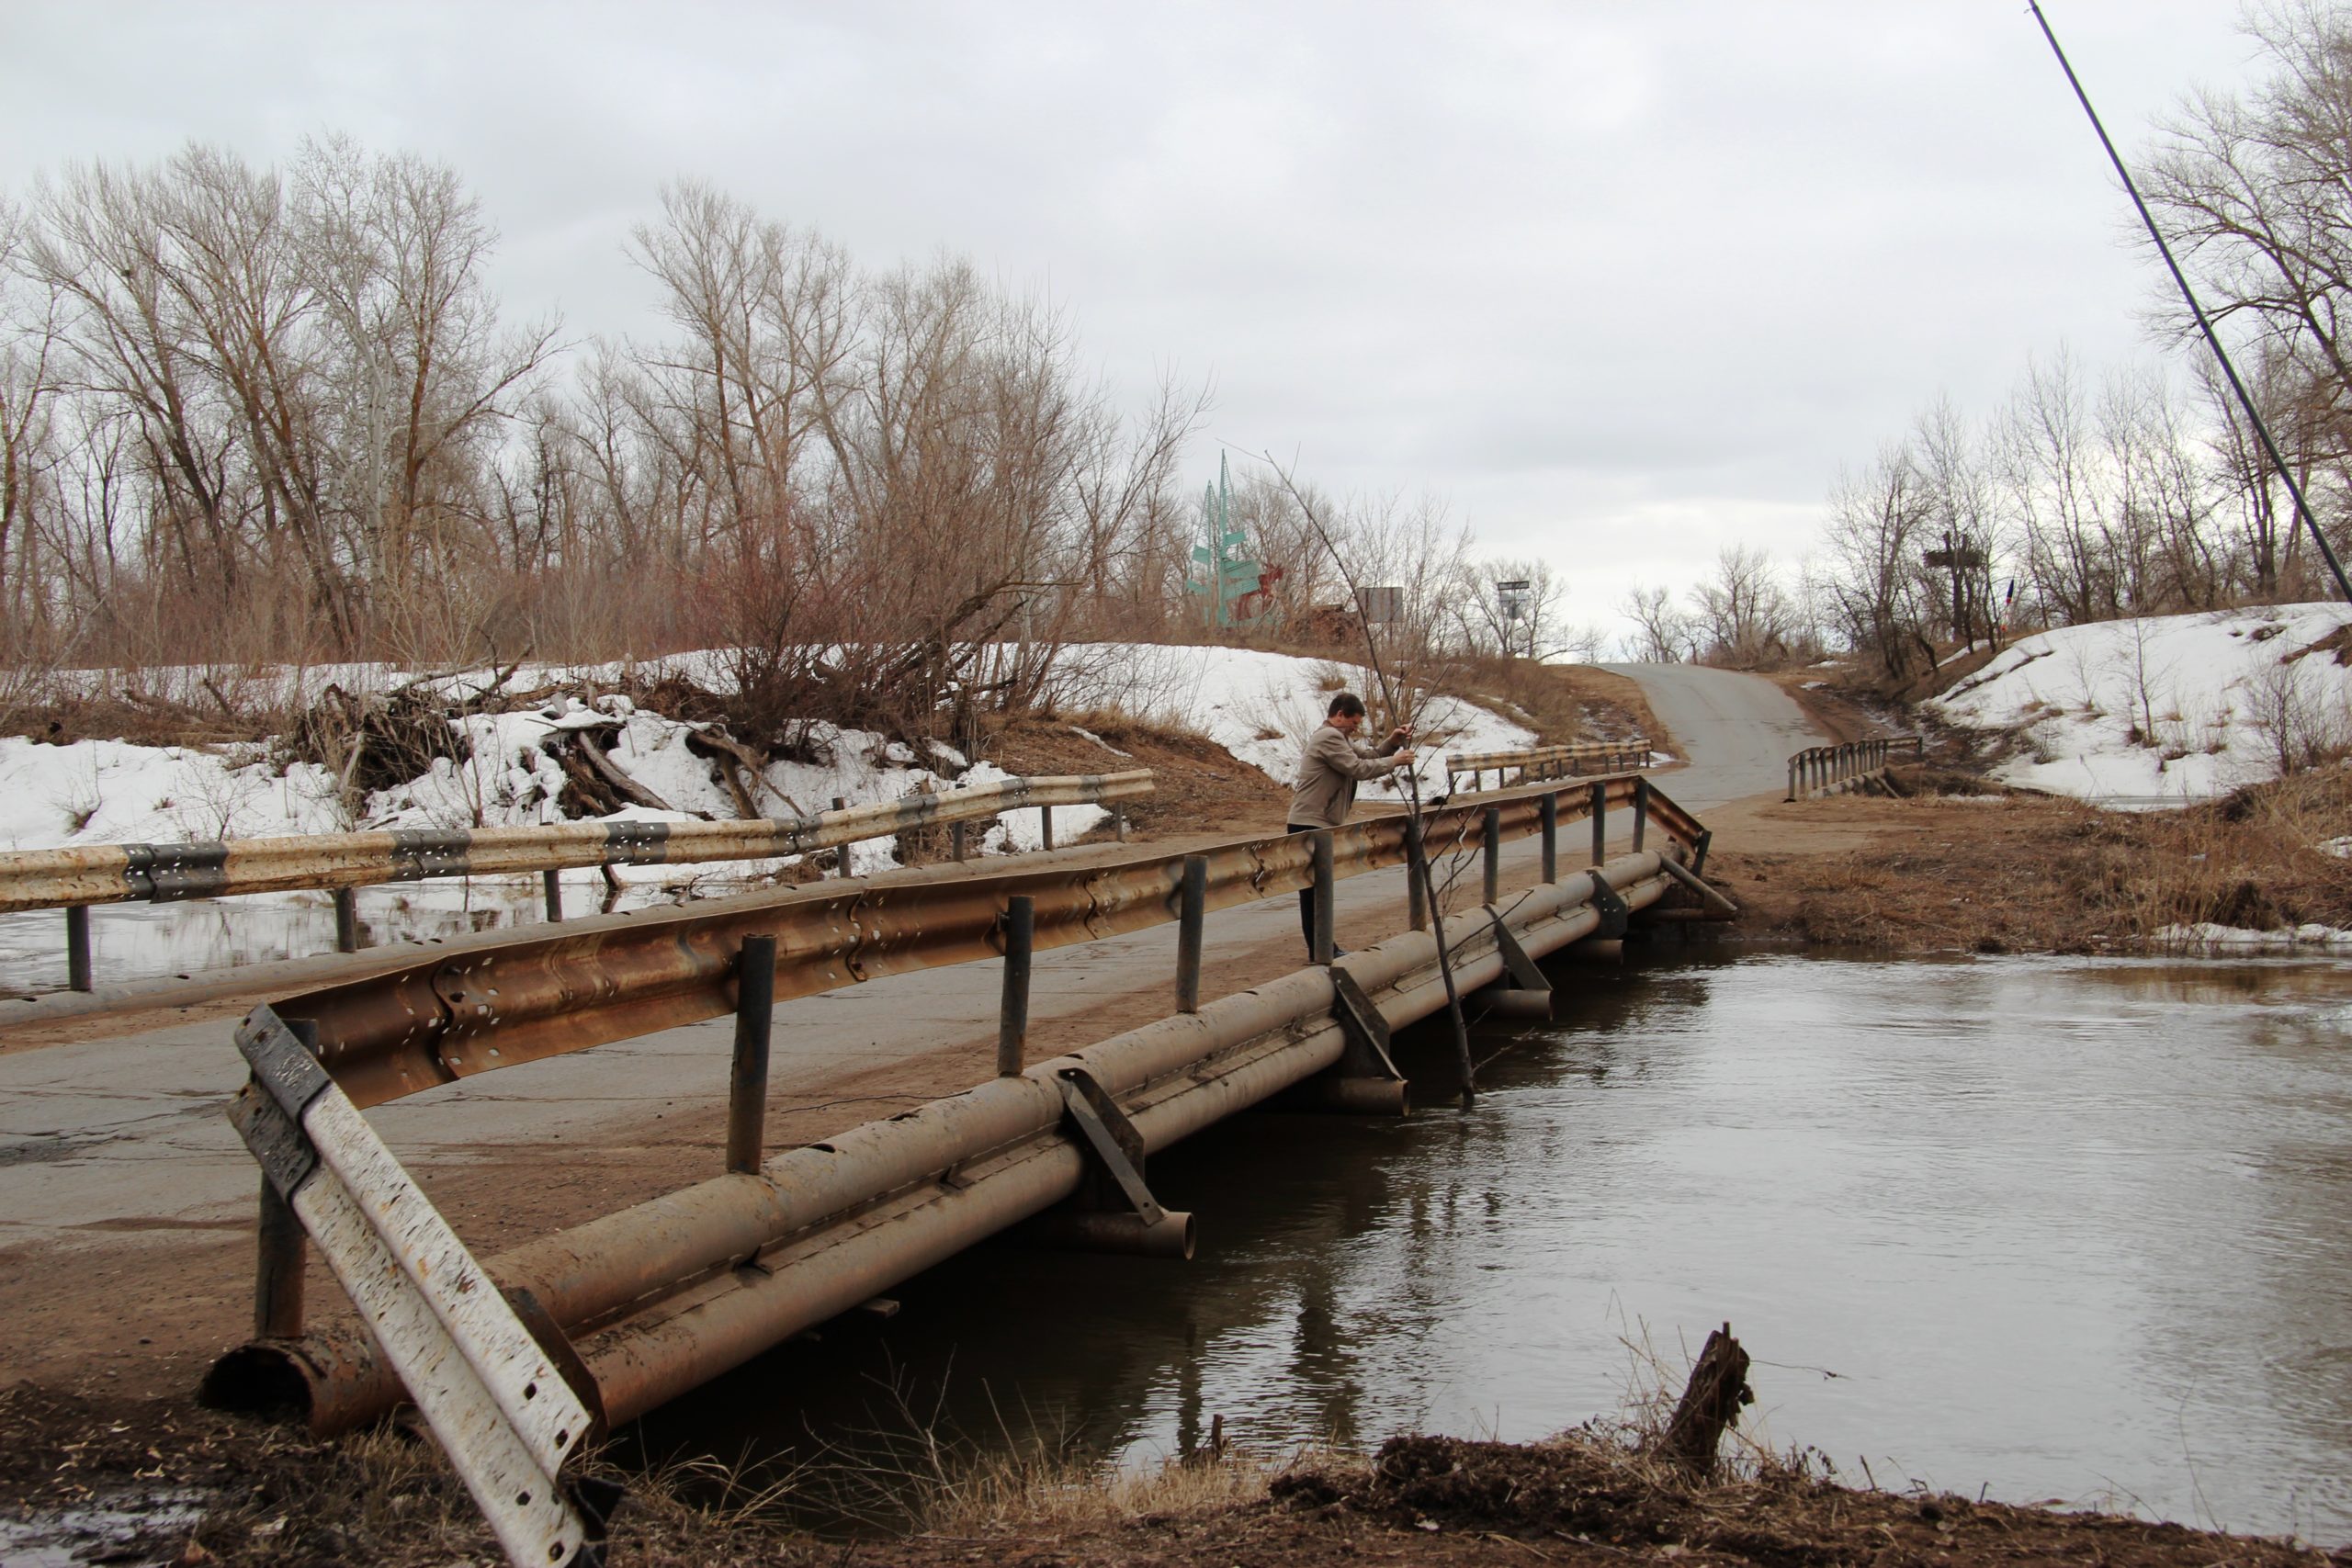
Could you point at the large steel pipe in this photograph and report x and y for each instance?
(735, 1264)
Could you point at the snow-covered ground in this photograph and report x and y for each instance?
(2168, 708)
(1262, 706)
(1257, 705)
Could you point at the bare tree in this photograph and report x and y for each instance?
(1662, 633)
(1741, 613)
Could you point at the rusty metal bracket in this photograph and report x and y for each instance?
(1524, 974)
(1105, 1134)
(1366, 1027)
(1615, 915)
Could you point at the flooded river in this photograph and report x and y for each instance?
(2071, 1230)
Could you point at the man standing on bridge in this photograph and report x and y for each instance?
(1331, 767)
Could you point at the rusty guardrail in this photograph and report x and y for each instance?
(1829, 769)
(649, 1301)
(1571, 760)
(447, 1016)
(75, 879)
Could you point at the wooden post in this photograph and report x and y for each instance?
(747, 1093)
(956, 840)
(1046, 825)
(1711, 1403)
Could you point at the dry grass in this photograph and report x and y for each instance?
(2032, 874)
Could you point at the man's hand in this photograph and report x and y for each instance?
(1404, 759)
(1399, 736)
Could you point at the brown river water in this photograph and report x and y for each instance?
(2072, 1230)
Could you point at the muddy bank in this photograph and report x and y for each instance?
(1960, 865)
(162, 1483)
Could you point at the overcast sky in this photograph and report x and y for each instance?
(1621, 282)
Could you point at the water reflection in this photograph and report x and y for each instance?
(2057, 1228)
(148, 941)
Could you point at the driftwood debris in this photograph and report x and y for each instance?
(619, 782)
(1711, 1403)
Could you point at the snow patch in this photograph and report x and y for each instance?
(2159, 710)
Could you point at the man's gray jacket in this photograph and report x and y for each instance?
(1328, 771)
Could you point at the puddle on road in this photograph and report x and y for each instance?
(2056, 1229)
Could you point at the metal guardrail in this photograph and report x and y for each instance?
(447, 1016)
(1570, 761)
(1828, 769)
(74, 879)
(641, 1304)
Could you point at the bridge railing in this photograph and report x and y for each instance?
(1574, 759)
(646, 1301)
(74, 879)
(1829, 769)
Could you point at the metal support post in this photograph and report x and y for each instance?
(1490, 830)
(956, 840)
(346, 921)
(1599, 823)
(1641, 811)
(1417, 891)
(281, 1249)
(1320, 849)
(1012, 1021)
(1119, 820)
(1699, 853)
(77, 947)
(552, 890)
(1192, 910)
(747, 1092)
(1549, 813)
(1046, 825)
(841, 851)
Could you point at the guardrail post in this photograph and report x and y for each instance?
(1490, 830)
(1192, 911)
(1046, 825)
(1599, 823)
(551, 893)
(346, 921)
(1119, 820)
(281, 1249)
(1699, 853)
(1320, 851)
(956, 840)
(1548, 810)
(841, 851)
(1417, 891)
(1012, 1019)
(1641, 811)
(77, 947)
(747, 1089)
